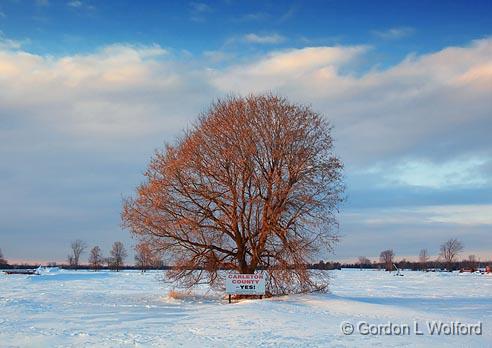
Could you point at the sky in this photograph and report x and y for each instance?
(89, 90)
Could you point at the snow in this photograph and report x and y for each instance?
(130, 309)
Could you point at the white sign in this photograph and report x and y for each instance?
(245, 284)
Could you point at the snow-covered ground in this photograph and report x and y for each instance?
(130, 309)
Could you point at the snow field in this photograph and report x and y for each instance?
(131, 309)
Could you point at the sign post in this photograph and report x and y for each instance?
(245, 284)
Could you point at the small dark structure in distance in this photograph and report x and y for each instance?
(20, 271)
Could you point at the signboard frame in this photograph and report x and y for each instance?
(245, 284)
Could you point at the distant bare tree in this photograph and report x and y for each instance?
(424, 258)
(78, 247)
(254, 185)
(472, 262)
(145, 257)
(96, 258)
(118, 256)
(363, 260)
(386, 257)
(2, 259)
(108, 261)
(450, 250)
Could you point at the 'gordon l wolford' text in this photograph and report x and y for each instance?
(432, 327)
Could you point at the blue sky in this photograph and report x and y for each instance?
(88, 90)
(70, 27)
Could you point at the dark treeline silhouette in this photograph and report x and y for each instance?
(429, 266)
(147, 259)
(81, 267)
(321, 265)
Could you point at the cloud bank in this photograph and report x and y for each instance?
(77, 131)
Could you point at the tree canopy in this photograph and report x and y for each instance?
(254, 184)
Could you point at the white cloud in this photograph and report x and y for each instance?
(200, 7)
(283, 68)
(120, 92)
(465, 215)
(257, 16)
(462, 214)
(459, 172)
(199, 10)
(217, 56)
(264, 39)
(90, 121)
(80, 5)
(75, 3)
(291, 11)
(394, 33)
(42, 2)
(8, 44)
(426, 110)
(433, 106)
(408, 229)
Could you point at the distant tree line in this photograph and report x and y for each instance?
(148, 259)
(446, 260)
(145, 257)
(322, 265)
(432, 265)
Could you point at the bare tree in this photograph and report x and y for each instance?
(450, 250)
(145, 257)
(424, 258)
(386, 257)
(108, 261)
(71, 260)
(3, 261)
(118, 256)
(472, 262)
(78, 247)
(253, 185)
(363, 260)
(96, 258)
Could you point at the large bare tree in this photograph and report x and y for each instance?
(78, 247)
(450, 250)
(386, 257)
(254, 184)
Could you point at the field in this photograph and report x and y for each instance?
(131, 309)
